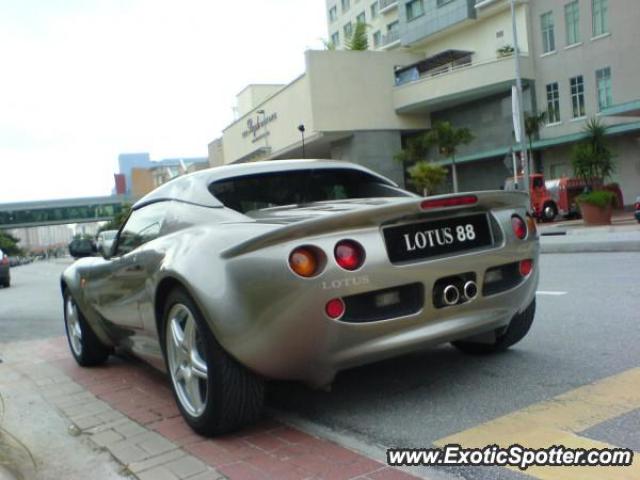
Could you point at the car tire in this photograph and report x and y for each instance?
(219, 398)
(516, 331)
(549, 212)
(6, 283)
(85, 346)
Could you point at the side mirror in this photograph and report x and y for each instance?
(107, 253)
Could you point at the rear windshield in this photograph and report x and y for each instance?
(266, 190)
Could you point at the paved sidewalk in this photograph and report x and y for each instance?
(623, 235)
(125, 410)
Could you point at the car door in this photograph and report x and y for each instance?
(120, 290)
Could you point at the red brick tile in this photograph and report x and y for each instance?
(241, 471)
(389, 473)
(352, 470)
(143, 416)
(276, 468)
(292, 435)
(266, 442)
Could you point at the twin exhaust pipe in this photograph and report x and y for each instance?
(451, 293)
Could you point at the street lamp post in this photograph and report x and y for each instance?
(520, 113)
(301, 130)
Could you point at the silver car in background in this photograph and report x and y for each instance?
(104, 241)
(296, 270)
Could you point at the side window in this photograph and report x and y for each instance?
(142, 226)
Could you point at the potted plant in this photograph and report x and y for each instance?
(505, 51)
(592, 161)
(596, 206)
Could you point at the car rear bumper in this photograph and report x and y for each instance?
(280, 330)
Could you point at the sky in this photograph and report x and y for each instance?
(82, 81)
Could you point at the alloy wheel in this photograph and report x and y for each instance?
(74, 331)
(187, 367)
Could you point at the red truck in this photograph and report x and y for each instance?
(555, 197)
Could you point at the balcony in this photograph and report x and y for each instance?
(456, 82)
(387, 5)
(391, 39)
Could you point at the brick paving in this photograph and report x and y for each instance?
(128, 408)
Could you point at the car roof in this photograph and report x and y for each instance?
(194, 187)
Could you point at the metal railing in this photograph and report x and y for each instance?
(460, 64)
(386, 3)
(390, 37)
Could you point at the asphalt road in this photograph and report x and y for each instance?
(32, 307)
(586, 329)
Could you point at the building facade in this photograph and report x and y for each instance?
(141, 174)
(39, 239)
(453, 60)
(584, 62)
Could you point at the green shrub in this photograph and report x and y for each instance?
(598, 198)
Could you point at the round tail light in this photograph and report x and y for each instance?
(304, 261)
(525, 267)
(349, 254)
(519, 227)
(335, 308)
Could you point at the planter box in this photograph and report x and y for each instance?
(594, 215)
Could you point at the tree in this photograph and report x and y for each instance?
(593, 159)
(118, 219)
(447, 139)
(358, 40)
(328, 44)
(532, 124)
(427, 176)
(9, 244)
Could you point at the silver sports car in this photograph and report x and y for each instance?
(296, 270)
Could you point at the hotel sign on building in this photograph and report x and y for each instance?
(254, 126)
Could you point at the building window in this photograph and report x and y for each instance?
(348, 30)
(600, 9)
(375, 10)
(377, 39)
(415, 9)
(577, 96)
(603, 82)
(572, 22)
(346, 5)
(440, 3)
(553, 103)
(548, 35)
(361, 18)
(335, 39)
(333, 14)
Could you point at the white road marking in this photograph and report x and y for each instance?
(554, 294)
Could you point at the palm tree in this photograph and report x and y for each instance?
(532, 124)
(447, 139)
(593, 159)
(358, 40)
(328, 44)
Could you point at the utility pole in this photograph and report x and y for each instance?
(519, 95)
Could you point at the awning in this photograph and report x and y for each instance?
(542, 144)
(628, 109)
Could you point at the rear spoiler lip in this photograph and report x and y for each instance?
(373, 216)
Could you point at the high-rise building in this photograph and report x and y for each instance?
(454, 61)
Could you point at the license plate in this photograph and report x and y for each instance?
(417, 241)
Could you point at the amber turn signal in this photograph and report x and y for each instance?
(304, 262)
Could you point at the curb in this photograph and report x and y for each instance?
(590, 243)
